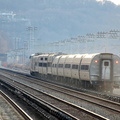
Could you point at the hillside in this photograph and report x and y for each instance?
(60, 19)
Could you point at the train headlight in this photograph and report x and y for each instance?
(116, 62)
(96, 61)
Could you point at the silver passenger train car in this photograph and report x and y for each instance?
(99, 71)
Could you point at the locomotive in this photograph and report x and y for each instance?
(99, 71)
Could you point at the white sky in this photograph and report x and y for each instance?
(117, 2)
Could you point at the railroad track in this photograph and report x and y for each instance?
(107, 96)
(71, 94)
(75, 94)
(71, 110)
(15, 106)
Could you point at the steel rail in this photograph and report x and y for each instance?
(94, 93)
(89, 92)
(58, 100)
(16, 107)
(77, 94)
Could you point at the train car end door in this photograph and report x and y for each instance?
(106, 69)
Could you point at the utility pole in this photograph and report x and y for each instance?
(31, 42)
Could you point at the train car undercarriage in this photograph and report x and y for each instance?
(101, 86)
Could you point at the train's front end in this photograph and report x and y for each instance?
(105, 71)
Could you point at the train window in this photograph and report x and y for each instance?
(106, 63)
(40, 64)
(52, 65)
(60, 65)
(74, 66)
(55, 65)
(45, 58)
(67, 65)
(41, 58)
(84, 67)
(44, 64)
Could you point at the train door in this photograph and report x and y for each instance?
(106, 70)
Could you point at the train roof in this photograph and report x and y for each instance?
(57, 54)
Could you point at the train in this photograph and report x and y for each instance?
(97, 71)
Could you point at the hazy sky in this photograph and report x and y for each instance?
(117, 2)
